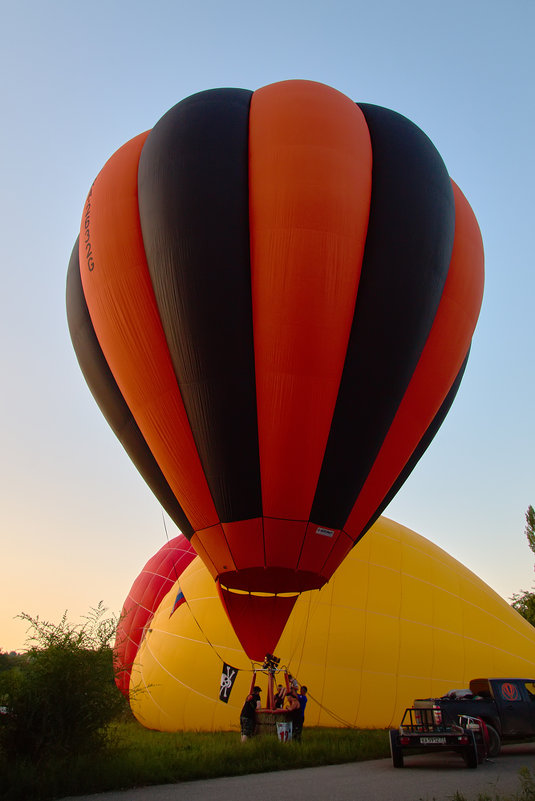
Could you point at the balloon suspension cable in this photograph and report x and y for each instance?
(332, 714)
(290, 678)
(212, 646)
(165, 527)
(312, 598)
(186, 600)
(177, 577)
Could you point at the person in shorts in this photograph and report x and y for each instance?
(247, 715)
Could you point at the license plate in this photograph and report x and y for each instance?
(433, 740)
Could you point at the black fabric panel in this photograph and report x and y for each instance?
(422, 446)
(109, 398)
(406, 260)
(194, 210)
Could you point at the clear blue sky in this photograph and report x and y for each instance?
(78, 80)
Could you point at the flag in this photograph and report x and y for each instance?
(179, 600)
(228, 677)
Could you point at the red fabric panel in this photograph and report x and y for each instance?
(284, 539)
(246, 542)
(257, 620)
(319, 541)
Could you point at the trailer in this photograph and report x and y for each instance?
(425, 729)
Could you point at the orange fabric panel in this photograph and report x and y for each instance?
(246, 541)
(204, 555)
(439, 364)
(283, 542)
(212, 542)
(318, 543)
(310, 166)
(125, 317)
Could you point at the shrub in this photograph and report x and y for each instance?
(62, 695)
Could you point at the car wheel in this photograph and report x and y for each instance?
(495, 742)
(396, 750)
(470, 754)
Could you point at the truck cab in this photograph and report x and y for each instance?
(506, 706)
(515, 703)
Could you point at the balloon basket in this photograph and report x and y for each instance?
(269, 720)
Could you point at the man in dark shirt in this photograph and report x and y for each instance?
(247, 715)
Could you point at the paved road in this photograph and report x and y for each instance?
(430, 777)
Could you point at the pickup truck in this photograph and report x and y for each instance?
(507, 706)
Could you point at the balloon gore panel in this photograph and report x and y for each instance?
(109, 398)
(193, 203)
(120, 299)
(310, 181)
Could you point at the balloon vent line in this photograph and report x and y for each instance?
(333, 715)
(167, 538)
(300, 642)
(212, 646)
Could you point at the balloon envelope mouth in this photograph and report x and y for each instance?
(271, 580)
(258, 619)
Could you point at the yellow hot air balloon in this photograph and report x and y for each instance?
(399, 619)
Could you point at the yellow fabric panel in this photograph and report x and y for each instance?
(449, 661)
(416, 649)
(400, 619)
(378, 700)
(411, 607)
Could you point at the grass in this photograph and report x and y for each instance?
(138, 757)
(526, 790)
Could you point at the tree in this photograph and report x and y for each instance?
(524, 601)
(62, 695)
(9, 660)
(530, 527)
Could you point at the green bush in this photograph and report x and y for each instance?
(62, 695)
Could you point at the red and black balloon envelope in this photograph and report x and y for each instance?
(272, 299)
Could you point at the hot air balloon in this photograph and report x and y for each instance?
(400, 619)
(272, 299)
(152, 585)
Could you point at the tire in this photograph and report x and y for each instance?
(495, 742)
(470, 754)
(395, 749)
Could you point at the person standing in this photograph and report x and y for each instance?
(300, 715)
(247, 715)
(293, 707)
(279, 697)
